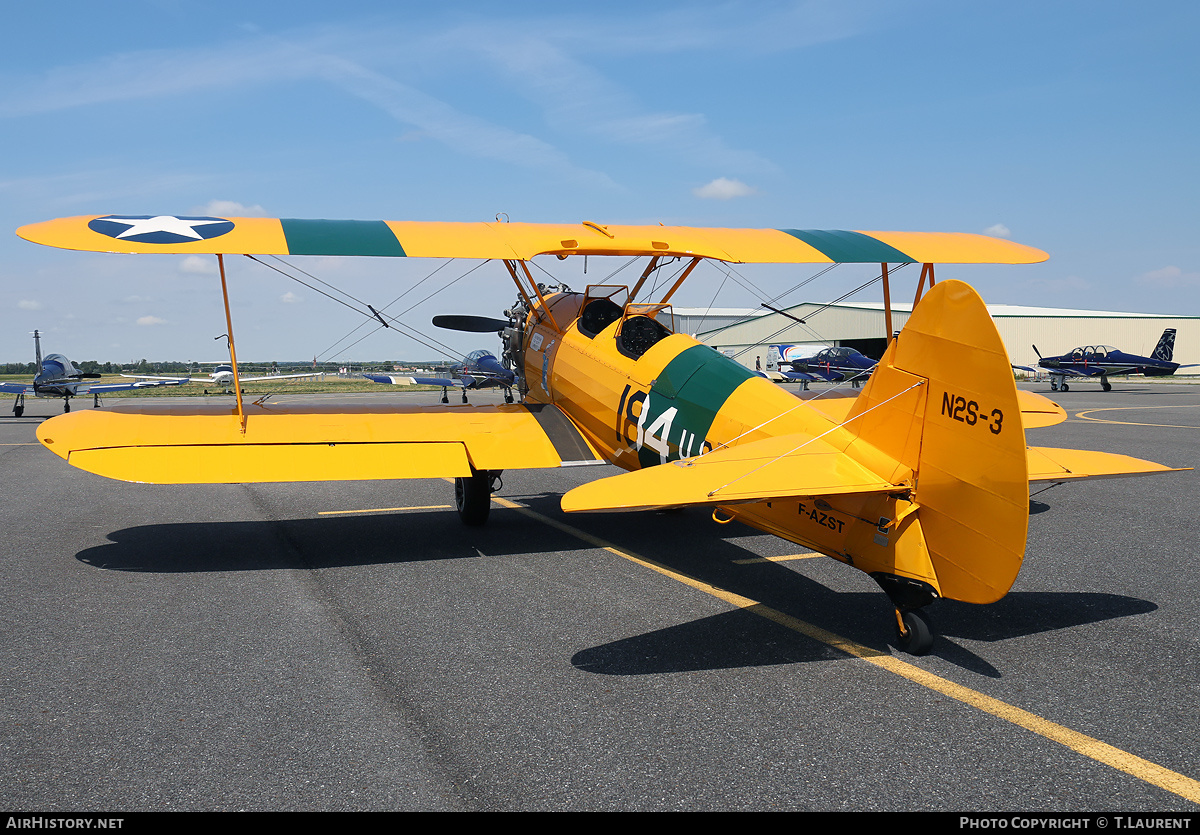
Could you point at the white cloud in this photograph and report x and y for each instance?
(291, 298)
(151, 320)
(230, 208)
(999, 230)
(199, 265)
(723, 188)
(30, 304)
(1169, 277)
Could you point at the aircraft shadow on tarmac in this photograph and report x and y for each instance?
(687, 542)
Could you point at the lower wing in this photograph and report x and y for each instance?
(206, 444)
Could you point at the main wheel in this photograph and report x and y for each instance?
(18, 411)
(917, 635)
(1064, 387)
(473, 497)
(1053, 386)
(1106, 385)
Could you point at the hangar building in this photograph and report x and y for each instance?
(745, 334)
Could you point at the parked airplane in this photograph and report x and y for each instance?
(58, 377)
(921, 481)
(479, 369)
(836, 365)
(222, 376)
(1105, 361)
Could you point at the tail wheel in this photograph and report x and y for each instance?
(473, 497)
(914, 634)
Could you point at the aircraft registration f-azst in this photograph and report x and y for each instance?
(921, 481)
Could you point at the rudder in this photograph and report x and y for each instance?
(943, 402)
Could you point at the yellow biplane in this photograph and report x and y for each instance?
(921, 481)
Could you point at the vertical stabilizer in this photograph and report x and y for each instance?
(37, 349)
(962, 437)
(1165, 350)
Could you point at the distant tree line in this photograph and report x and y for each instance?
(146, 367)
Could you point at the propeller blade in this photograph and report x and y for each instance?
(470, 324)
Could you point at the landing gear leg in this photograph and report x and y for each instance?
(445, 399)
(473, 495)
(914, 634)
(19, 405)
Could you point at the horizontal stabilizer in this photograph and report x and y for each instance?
(1046, 464)
(1038, 411)
(786, 466)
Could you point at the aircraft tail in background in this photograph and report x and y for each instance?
(1165, 349)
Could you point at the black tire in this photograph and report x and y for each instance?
(473, 498)
(66, 405)
(18, 411)
(1053, 386)
(919, 639)
(1106, 385)
(1064, 387)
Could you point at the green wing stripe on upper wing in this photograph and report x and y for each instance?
(340, 237)
(850, 247)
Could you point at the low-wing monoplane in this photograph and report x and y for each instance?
(222, 377)
(921, 481)
(57, 376)
(1105, 361)
(836, 365)
(479, 369)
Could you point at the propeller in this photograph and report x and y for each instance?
(1036, 351)
(470, 324)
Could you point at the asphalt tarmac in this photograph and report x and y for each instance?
(352, 646)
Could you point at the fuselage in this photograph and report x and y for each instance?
(644, 396)
(58, 377)
(1104, 361)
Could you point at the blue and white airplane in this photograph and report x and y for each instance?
(58, 377)
(1105, 361)
(834, 365)
(479, 369)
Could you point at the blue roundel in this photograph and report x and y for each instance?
(161, 229)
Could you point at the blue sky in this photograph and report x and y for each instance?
(1070, 126)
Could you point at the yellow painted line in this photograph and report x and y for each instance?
(1101, 752)
(384, 509)
(1084, 416)
(807, 555)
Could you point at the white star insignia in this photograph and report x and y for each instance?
(162, 223)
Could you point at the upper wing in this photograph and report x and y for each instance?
(273, 236)
(205, 444)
